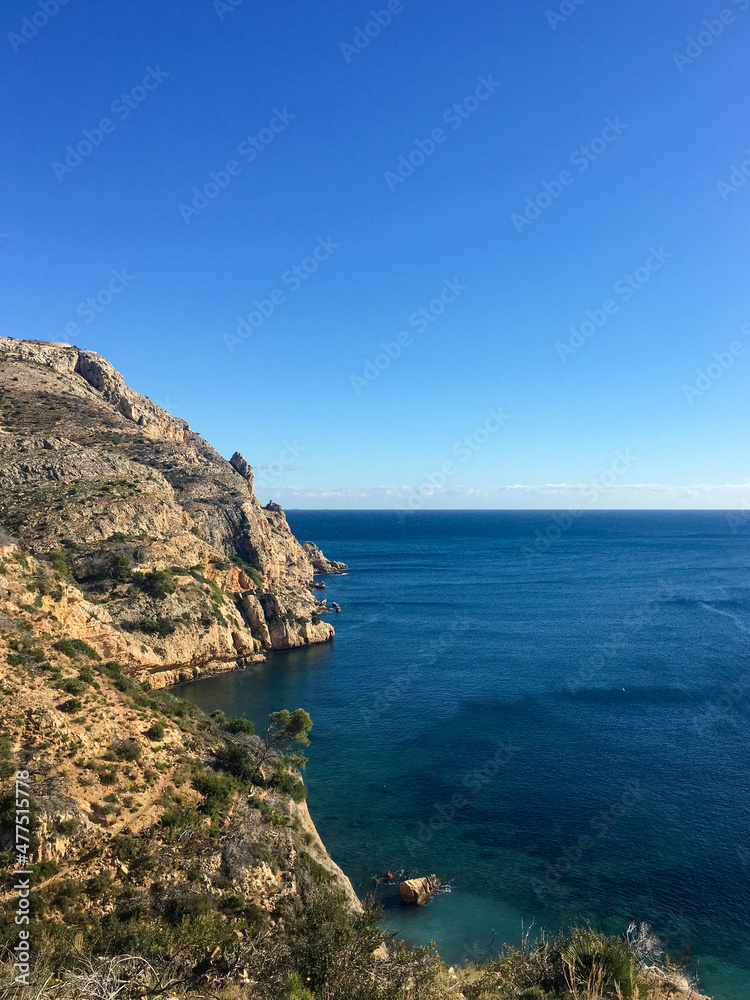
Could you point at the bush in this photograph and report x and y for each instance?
(59, 563)
(191, 905)
(155, 732)
(7, 767)
(99, 885)
(287, 784)
(71, 706)
(157, 584)
(125, 848)
(129, 749)
(161, 627)
(120, 568)
(294, 988)
(237, 761)
(72, 647)
(217, 791)
(240, 725)
(72, 686)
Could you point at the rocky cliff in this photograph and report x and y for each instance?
(155, 548)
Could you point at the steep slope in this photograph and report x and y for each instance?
(167, 560)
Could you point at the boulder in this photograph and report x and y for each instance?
(319, 562)
(416, 891)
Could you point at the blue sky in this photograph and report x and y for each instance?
(118, 115)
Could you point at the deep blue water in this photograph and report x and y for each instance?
(561, 730)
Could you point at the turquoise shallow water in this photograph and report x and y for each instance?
(556, 720)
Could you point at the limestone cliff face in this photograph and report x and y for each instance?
(165, 558)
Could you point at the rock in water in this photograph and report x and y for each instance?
(319, 563)
(416, 891)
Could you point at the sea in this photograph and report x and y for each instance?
(548, 710)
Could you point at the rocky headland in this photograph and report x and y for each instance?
(162, 556)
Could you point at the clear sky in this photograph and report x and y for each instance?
(558, 187)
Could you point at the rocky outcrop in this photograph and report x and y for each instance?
(164, 559)
(416, 891)
(320, 564)
(239, 465)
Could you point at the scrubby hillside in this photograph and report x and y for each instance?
(158, 831)
(158, 548)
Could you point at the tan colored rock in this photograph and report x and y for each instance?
(416, 891)
(320, 563)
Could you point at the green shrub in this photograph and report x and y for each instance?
(287, 784)
(71, 706)
(100, 884)
(217, 791)
(44, 870)
(294, 988)
(72, 647)
(157, 584)
(239, 725)
(160, 626)
(7, 767)
(237, 761)
(191, 905)
(129, 749)
(155, 732)
(120, 568)
(59, 563)
(72, 686)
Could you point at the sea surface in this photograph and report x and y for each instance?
(550, 713)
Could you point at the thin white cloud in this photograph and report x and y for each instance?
(488, 491)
